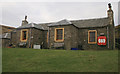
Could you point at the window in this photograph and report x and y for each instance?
(24, 35)
(59, 34)
(92, 36)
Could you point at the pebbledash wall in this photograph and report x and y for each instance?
(74, 33)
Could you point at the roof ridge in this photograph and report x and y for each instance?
(90, 19)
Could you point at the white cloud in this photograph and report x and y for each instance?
(39, 12)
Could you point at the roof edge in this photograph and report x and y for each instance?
(90, 19)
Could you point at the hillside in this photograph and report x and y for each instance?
(45, 60)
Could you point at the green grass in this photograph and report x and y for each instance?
(33, 60)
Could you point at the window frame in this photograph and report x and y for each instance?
(55, 35)
(21, 37)
(89, 36)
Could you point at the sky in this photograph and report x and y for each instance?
(44, 12)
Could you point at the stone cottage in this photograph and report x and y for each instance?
(67, 34)
(83, 33)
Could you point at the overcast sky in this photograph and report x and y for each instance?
(44, 12)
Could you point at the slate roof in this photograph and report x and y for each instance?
(32, 25)
(44, 25)
(6, 35)
(62, 22)
(99, 22)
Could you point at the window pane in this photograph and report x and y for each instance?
(59, 31)
(59, 34)
(24, 35)
(92, 36)
(59, 37)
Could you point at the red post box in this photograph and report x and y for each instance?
(101, 40)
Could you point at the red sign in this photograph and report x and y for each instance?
(101, 40)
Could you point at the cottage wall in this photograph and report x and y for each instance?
(111, 30)
(38, 37)
(74, 37)
(45, 39)
(15, 37)
(35, 36)
(70, 37)
(83, 38)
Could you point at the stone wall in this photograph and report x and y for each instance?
(15, 37)
(38, 37)
(70, 37)
(73, 37)
(83, 38)
(111, 36)
(35, 36)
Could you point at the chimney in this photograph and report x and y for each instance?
(25, 22)
(110, 13)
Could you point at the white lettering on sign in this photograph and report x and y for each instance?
(101, 40)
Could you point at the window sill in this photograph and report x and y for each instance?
(92, 42)
(23, 40)
(59, 40)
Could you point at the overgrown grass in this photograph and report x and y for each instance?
(34, 60)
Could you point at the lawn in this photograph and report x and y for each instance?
(35, 60)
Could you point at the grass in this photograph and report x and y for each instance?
(34, 60)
